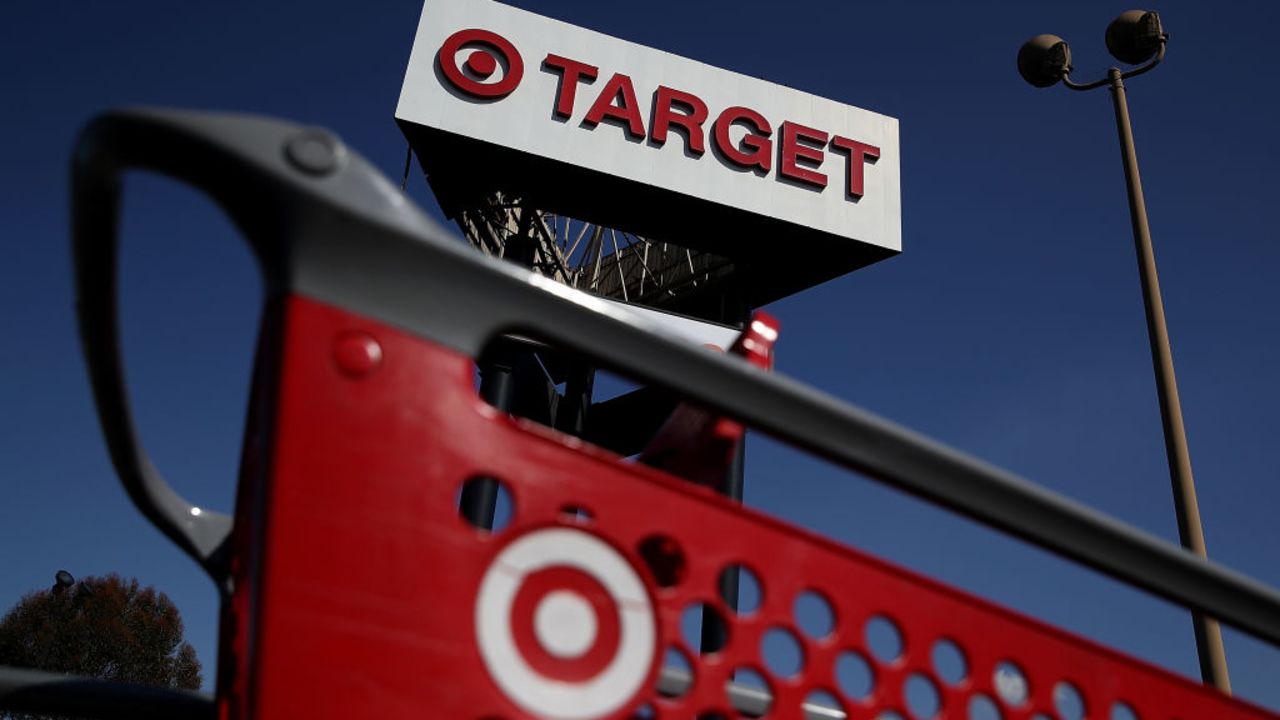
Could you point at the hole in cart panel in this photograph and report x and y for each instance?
(1011, 684)
(1123, 711)
(814, 614)
(1068, 701)
(704, 628)
(982, 707)
(949, 662)
(824, 705)
(577, 514)
(923, 699)
(486, 503)
(740, 589)
(883, 639)
(854, 675)
(564, 390)
(749, 692)
(664, 558)
(782, 652)
(676, 676)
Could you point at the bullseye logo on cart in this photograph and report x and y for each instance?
(486, 67)
(564, 625)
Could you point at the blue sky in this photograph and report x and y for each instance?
(1011, 326)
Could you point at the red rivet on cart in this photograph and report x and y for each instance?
(357, 354)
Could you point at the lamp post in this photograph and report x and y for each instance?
(1137, 38)
(61, 581)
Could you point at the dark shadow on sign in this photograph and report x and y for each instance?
(560, 90)
(682, 131)
(866, 160)
(804, 166)
(720, 156)
(800, 184)
(618, 123)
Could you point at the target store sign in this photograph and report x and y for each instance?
(544, 89)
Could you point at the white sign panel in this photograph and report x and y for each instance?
(507, 77)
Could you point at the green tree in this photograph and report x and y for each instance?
(104, 627)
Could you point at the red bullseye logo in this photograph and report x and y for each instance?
(488, 51)
(564, 625)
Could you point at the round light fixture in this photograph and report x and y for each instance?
(1135, 36)
(1044, 60)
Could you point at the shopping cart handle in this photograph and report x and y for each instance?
(326, 225)
(280, 182)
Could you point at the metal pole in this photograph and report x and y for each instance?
(716, 634)
(479, 501)
(1213, 659)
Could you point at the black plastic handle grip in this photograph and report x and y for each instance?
(325, 224)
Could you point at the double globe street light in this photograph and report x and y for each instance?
(1137, 38)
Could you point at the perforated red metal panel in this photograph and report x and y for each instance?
(370, 597)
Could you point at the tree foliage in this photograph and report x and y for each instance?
(104, 627)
